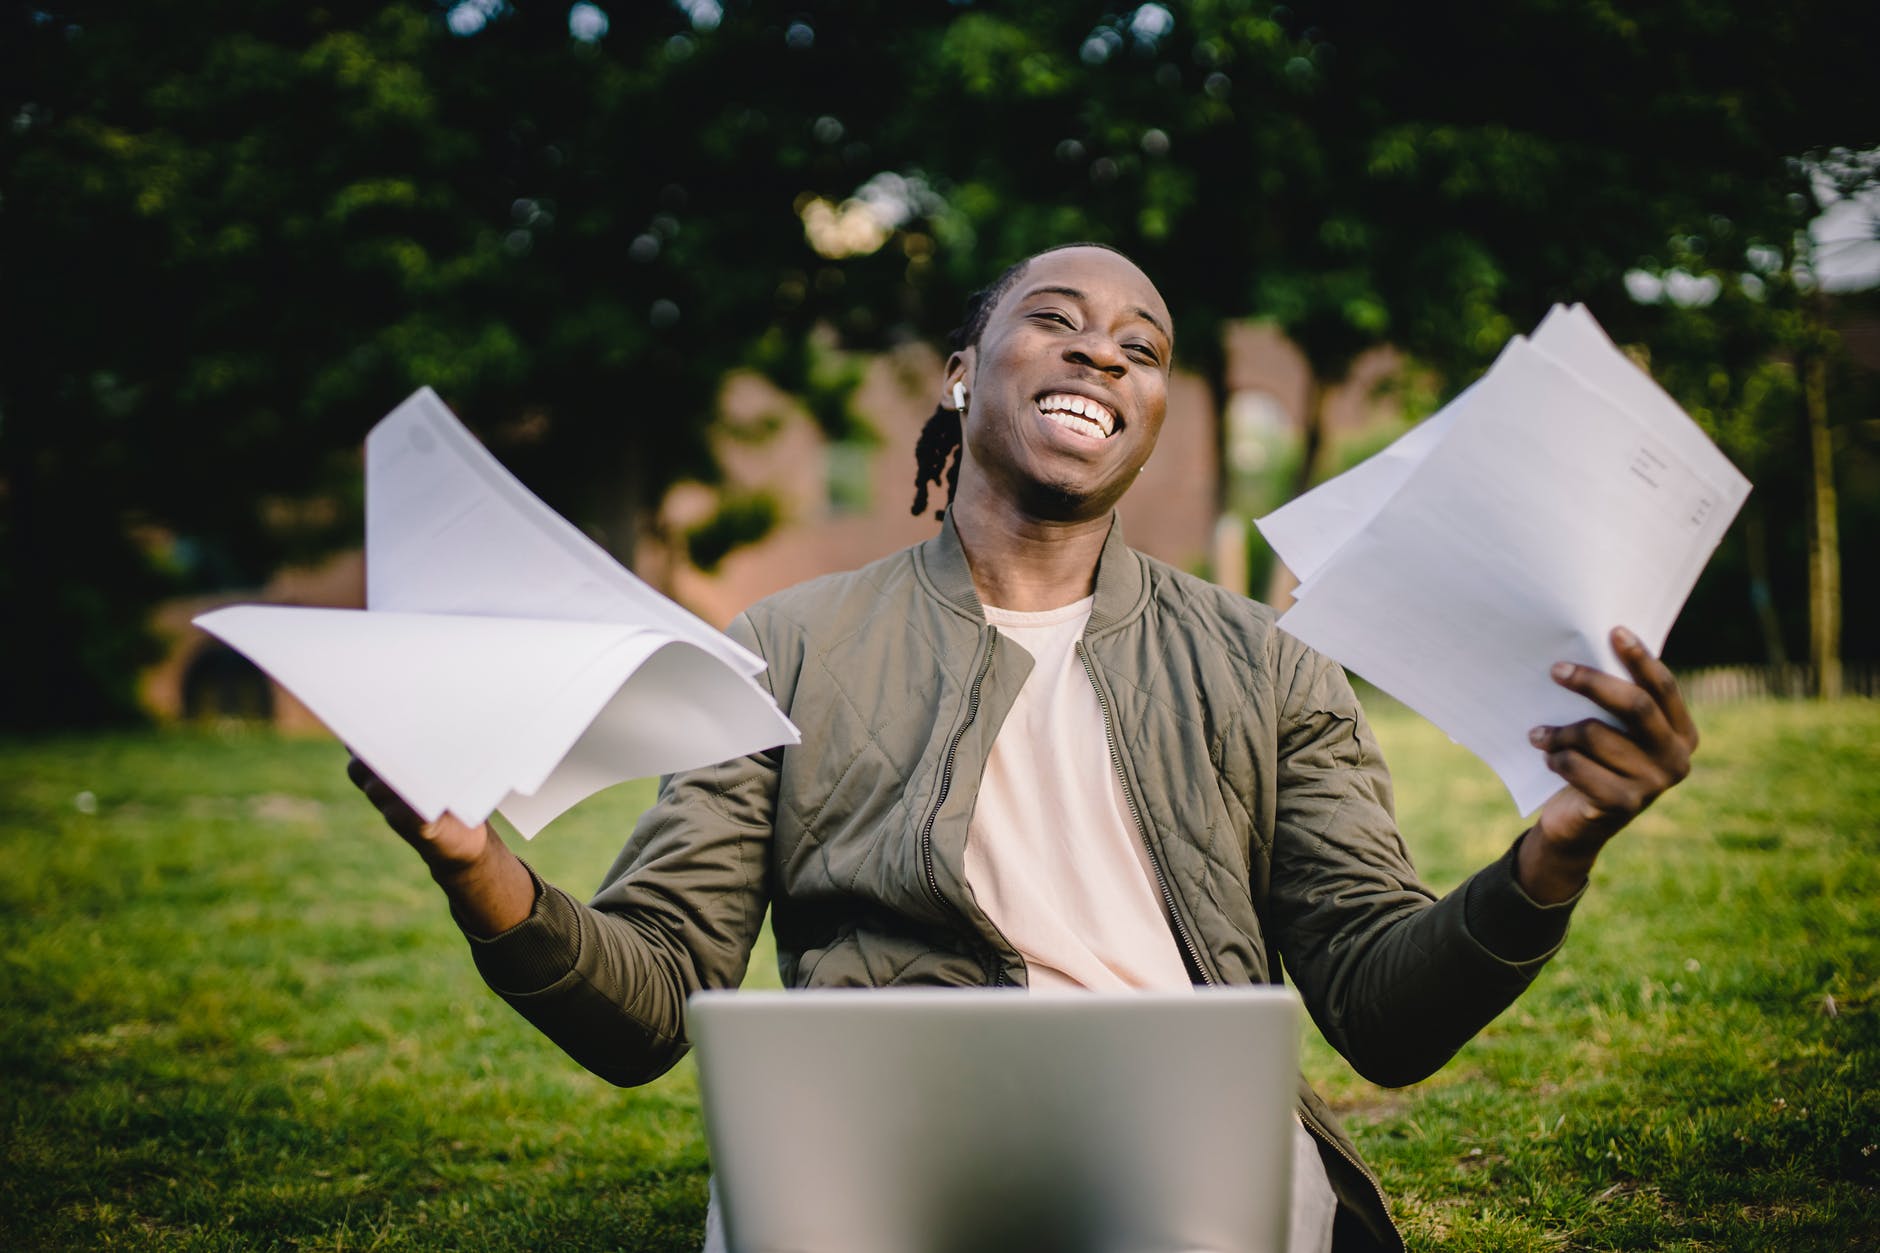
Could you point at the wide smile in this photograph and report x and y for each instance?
(1080, 415)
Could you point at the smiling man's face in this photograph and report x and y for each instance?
(1067, 386)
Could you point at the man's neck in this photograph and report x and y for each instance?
(1027, 564)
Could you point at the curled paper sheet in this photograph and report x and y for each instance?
(504, 661)
(1561, 495)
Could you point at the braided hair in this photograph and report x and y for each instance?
(937, 454)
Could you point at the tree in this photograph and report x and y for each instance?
(1363, 172)
(240, 233)
(1830, 177)
(1764, 363)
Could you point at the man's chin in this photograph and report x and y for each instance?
(1065, 500)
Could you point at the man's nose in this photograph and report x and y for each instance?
(1099, 352)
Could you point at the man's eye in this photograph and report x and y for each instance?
(1051, 315)
(1144, 351)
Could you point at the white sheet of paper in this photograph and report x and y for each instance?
(1308, 529)
(449, 530)
(1561, 495)
(504, 660)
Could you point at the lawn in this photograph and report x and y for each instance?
(236, 1015)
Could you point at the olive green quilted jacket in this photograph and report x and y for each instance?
(1260, 794)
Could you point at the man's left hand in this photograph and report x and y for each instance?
(1612, 773)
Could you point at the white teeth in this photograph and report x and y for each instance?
(1087, 413)
(1072, 423)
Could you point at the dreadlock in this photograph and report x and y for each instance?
(937, 454)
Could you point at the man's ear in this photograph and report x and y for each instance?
(959, 373)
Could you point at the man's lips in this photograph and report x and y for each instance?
(1082, 414)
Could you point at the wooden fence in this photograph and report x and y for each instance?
(1720, 684)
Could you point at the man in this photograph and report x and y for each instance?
(1033, 756)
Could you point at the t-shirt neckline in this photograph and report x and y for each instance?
(1041, 617)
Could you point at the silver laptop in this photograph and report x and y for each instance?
(977, 1121)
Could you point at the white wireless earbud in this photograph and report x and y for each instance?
(959, 397)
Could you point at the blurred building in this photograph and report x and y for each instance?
(202, 679)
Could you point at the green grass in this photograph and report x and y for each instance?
(234, 1014)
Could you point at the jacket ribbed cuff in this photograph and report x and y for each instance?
(1509, 923)
(537, 952)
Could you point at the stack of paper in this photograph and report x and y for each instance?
(504, 660)
(1560, 496)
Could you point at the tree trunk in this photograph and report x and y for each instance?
(1312, 438)
(1761, 599)
(626, 528)
(1824, 537)
(1214, 373)
(1279, 590)
(1227, 557)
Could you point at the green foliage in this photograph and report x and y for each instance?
(245, 232)
(822, 377)
(1733, 360)
(740, 518)
(238, 1016)
(239, 233)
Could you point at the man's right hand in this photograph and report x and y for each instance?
(489, 889)
(444, 843)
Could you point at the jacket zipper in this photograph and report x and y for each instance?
(946, 785)
(1181, 927)
(1325, 1137)
(1142, 831)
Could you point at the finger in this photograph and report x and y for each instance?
(396, 811)
(360, 773)
(1607, 746)
(1655, 677)
(1627, 701)
(1607, 794)
(397, 814)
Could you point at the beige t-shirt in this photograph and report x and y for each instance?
(1055, 860)
(1052, 855)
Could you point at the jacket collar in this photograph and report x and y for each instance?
(1122, 588)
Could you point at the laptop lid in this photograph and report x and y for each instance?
(943, 1121)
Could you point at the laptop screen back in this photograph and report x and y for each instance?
(940, 1121)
